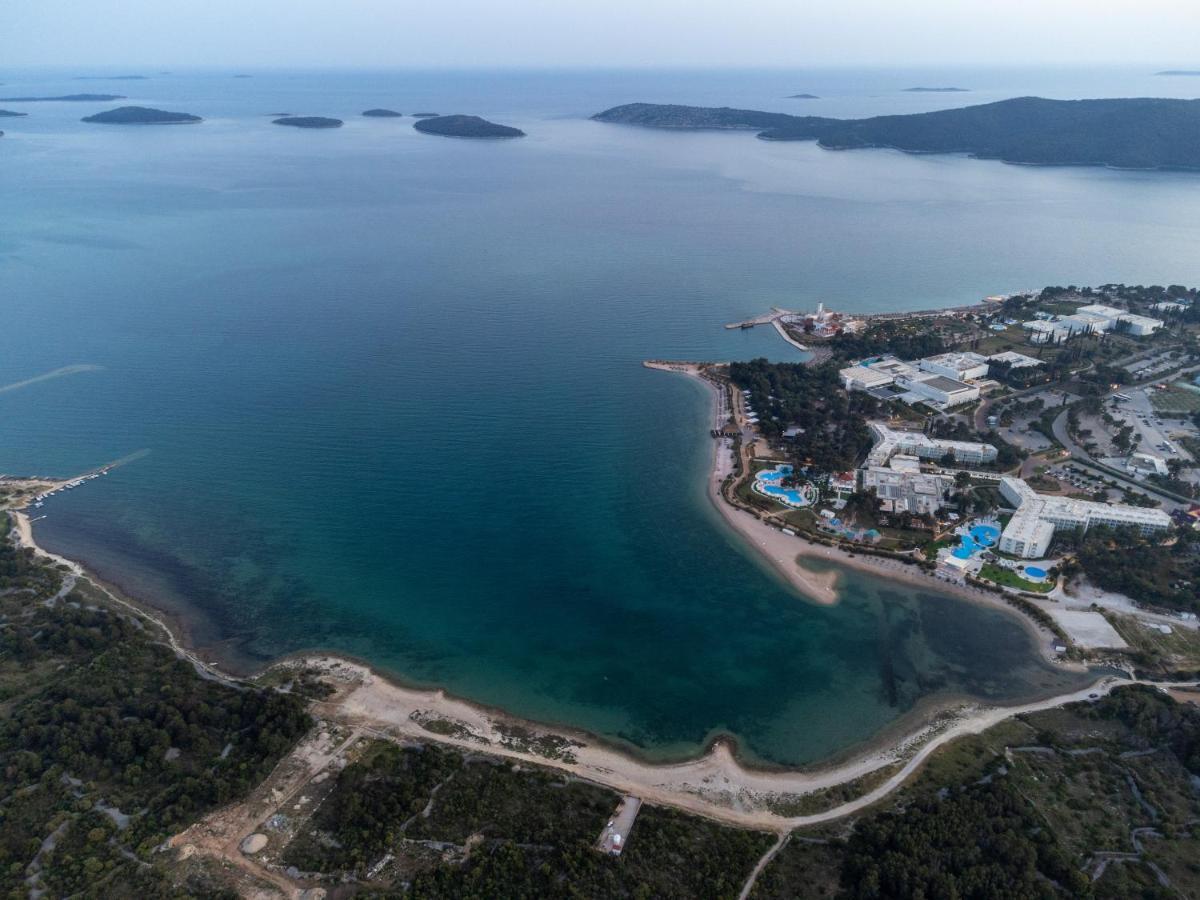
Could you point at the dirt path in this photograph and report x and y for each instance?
(762, 864)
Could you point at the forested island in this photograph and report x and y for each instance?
(382, 114)
(66, 98)
(802, 97)
(1126, 133)
(309, 122)
(466, 127)
(141, 115)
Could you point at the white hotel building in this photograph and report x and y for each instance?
(889, 442)
(1029, 532)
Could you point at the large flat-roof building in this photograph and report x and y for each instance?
(966, 366)
(1094, 318)
(890, 441)
(909, 382)
(1029, 532)
(903, 487)
(1015, 360)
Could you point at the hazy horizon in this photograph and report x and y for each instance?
(595, 34)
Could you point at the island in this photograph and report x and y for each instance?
(112, 77)
(8, 113)
(382, 114)
(424, 115)
(141, 115)
(802, 97)
(66, 98)
(309, 122)
(466, 127)
(936, 90)
(1192, 73)
(1133, 133)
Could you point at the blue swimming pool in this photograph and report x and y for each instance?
(1035, 572)
(978, 537)
(767, 482)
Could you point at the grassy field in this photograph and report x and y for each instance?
(1008, 578)
(1175, 398)
(1180, 649)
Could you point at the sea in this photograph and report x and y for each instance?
(383, 391)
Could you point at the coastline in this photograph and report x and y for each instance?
(784, 553)
(715, 784)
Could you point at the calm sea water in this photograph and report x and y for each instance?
(391, 391)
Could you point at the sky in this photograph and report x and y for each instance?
(590, 33)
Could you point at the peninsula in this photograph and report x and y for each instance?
(66, 98)
(466, 127)
(309, 122)
(382, 114)
(1138, 133)
(141, 115)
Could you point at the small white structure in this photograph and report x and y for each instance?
(1147, 464)
(1015, 360)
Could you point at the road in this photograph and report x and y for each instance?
(615, 836)
(1079, 455)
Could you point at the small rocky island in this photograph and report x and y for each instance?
(382, 114)
(66, 98)
(466, 127)
(8, 113)
(937, 90)
(309, 122)
(802, 97)
(141, 115)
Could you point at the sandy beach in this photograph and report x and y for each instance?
(716, 784)
(784, 553)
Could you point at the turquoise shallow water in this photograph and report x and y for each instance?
(355, 356)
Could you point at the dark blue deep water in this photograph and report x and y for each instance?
(391, 391)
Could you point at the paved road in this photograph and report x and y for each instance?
(615, 836)
(1079, 455)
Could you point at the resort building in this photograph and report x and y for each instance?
(1029, 532)
(1015, 360)
(823, 323)
(889, 378)
(889, 442)
(959, 366)
(903, 487)
(1094, 318)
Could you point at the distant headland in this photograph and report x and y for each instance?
(309, 122)
(141, 115)
(1134, 133)
(382, 114)
(8, 113)
(802, 97)
(66, 98)
(425, 115)
(114, 77)
(466, 127)
(937, 90)
(1187, 72)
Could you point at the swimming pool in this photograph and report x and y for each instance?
(977, 538)
(768, 483)
(1035, 574)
